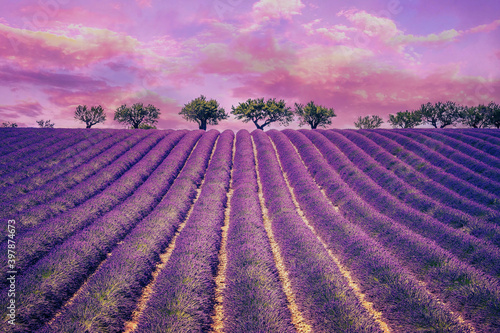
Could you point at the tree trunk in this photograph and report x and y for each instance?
(258, 126)
(313, 126)
(89, 126)
(203, 125)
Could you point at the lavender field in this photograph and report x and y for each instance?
(276, 231)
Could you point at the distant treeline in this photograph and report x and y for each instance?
(262, 113)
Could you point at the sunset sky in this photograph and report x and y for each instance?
(359, 57)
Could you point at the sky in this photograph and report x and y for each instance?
(358, 57)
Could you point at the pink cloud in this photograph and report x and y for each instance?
(74, 47)
(485, 27)
(25, 108)
(276, 9)
(442, 37)
(371, 25)
(11, 75)
(247, 53)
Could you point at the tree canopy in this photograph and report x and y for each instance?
(91, 116)
(256, 110)
(9, 124)
(203, 112)
(368, 122)
(493, 114)
(405, 119)
(314, 115)
(475, 116)
(45, 123)
(137, 114)
(440, 114)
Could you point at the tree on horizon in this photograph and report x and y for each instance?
(203, 112)
(9, 124)
(440, 114)
(256, 110)
(91, 116)
(368, 122)
(314, 115)
(137, 114)
(494, 114)
(475, 116)
(45, 124)
(405, 119)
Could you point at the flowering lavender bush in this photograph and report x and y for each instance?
(454, 155)
(41, 239)
(254, 299)
(191, 231)
(390, 191)
(38, 149)
(457, 282)
(62, 156)
(452, 182)
(443, 163)
(20, 185)
(465, 145)
(49, 282)
(322, 292)
(134, 259)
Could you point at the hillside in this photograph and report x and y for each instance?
(276, 231)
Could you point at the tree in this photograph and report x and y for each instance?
(405, 119)
(314, 115)
(475, 116)
(9, 124)
(368, 122)
(203, 112)
(137, 114)
(45, 124)
(440, 114)
(256, 110)
(91, 116)
(493, 114)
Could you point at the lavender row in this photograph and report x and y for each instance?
(51, 281)
(472, 140)
(423, 166)
(420, 181)
(322, 293)
(491, 136)
(404, 303)
(33, 143)
(16, 140)
(22, 139)
(385, 192)
(453, 154)
(46, 185)
(63, 155)
(464, 147)
(37, 174)
(90, 194)
(128, 270)
(253, 300)
(479, 253)
(41, 239)
(465, 288)
(39, 150)
(443, 163)
(182, 297)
